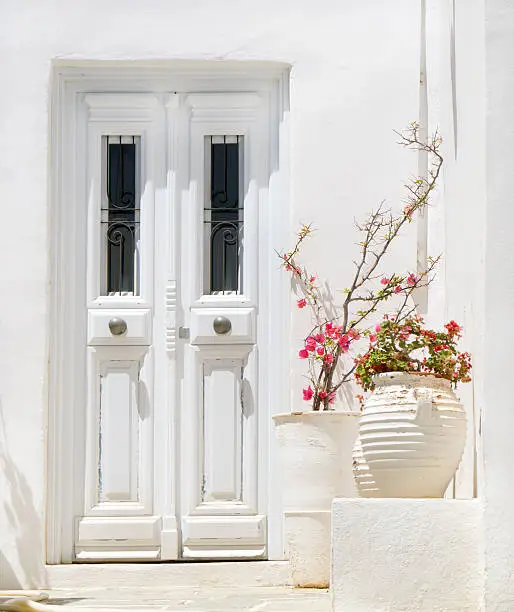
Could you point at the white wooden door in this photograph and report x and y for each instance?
(221, 514)
(170, 451)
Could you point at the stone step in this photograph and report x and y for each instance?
(164, 575)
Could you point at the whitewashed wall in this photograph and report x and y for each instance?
(354, 79)
(498, 331)
(455, 79)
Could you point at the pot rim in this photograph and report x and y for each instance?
(316, 414)
(384, 377)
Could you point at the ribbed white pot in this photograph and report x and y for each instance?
(316, 457)
(412, 434)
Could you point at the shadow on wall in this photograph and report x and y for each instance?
(23, 522)
(8, 579)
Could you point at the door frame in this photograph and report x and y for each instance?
(70, 81)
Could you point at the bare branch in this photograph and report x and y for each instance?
(378, 232)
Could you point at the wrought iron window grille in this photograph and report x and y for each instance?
(224, 216)
(121, 215)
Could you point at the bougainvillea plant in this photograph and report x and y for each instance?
(335, 328)
(402, 344)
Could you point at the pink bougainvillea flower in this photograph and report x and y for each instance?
(408, 210)
(440, 347)
(404, 333)
(302, 303)
(310, 343)
(453, 328)
(308, 393)
(385, 281)
(320, 338)
(328, 359)
(378, 328)
(412, 280)
(323, 395)
(303, 353)
(397, 289)
(320, 350)
(354, 334)
(330, 330)
(312, 279)
(344, 343)
(372, 338)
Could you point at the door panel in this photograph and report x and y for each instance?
(242, 326)
(119, 424)
(138, 332)
(125, 163)
(222, 515)
(119, 433)
(117, 521)
(222, 412)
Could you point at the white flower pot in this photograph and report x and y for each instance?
(411, 437)
(316, 449)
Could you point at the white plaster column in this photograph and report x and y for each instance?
(498, 412)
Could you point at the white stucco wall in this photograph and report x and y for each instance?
(498, 414)
(465, 213)
(471, 97)
(354, 79)
(347, 111)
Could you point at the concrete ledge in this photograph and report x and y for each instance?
(407, 555)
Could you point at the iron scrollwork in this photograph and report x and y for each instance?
(225, 216)
(121, 216)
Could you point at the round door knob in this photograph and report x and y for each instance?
(222, 325)
(117, 327)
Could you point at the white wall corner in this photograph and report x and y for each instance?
(407, 554)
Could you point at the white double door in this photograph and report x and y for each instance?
(171, 450)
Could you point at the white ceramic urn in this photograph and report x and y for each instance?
(316, 456)
(412, 434)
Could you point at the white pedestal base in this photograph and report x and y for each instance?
(407, 554)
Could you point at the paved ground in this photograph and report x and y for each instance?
(260, 586)
(187, 599)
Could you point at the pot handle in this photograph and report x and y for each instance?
(424, 410)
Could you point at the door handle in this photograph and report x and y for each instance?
(222, 325)
(184, 333)
(117, 327)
